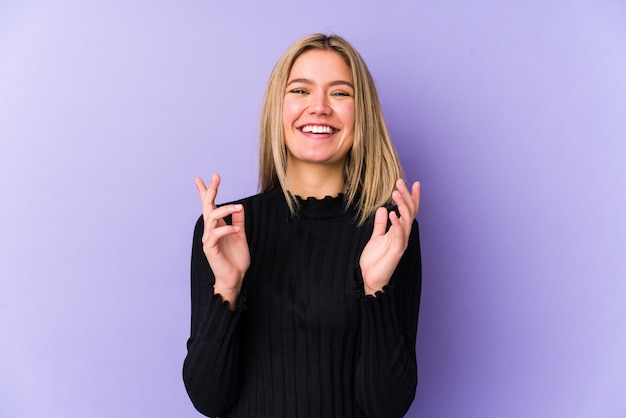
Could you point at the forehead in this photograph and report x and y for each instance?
(320, 64)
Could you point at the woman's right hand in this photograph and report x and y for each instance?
(225, 246)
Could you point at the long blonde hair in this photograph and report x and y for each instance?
(372, 166)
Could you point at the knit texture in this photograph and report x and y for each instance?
(304, 340)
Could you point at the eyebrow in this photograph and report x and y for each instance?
(332, 83)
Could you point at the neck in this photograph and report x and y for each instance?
(314, 180)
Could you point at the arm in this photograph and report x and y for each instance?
(219, 261)
(386, 376)
(391, 272)
(211, 370)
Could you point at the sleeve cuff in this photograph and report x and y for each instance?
(218, 318)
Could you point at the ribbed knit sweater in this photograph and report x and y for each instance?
(304, 340)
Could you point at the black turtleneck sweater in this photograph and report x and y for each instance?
(304, 340)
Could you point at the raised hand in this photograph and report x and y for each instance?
(225, 246)
(383, 251)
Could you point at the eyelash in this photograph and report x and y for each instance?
(303, 91)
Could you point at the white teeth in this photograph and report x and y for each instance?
(317, 129)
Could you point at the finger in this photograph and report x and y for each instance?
(404, 204)
(412, 198)
(404, 197)
(201, 188)
(208, 201)
(239, 218)
(415, 196)
(401, 186)
(215, 220)
(398, 231)
(220, 213)
(211, 239)
(212, 189)
(380, 222)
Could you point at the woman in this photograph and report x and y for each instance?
(305, 297)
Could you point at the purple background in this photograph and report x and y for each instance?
(512, 115)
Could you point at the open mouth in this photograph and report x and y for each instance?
(318, 129)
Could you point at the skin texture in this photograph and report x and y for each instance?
(319, 93)
(225, 246)
(385, 248)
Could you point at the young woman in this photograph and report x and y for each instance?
(305, 297)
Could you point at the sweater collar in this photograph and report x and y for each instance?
(311, 207)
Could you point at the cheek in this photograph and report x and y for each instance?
(290, 111)
(348, 116)
(288, 120)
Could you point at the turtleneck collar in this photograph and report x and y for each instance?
(311, 207)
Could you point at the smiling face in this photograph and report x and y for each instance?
(318, 110)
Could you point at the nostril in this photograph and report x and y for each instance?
(320, 109)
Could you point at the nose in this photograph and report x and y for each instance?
(320, 105)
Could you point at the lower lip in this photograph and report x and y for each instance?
(311, 135)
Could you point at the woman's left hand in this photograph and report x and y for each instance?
(382, 253)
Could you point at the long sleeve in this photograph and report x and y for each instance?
(386, 373)
(299, 343)
(212, 367)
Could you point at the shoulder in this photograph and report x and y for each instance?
(248, 202)
(258, 201)
(260, 206)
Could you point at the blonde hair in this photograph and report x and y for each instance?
(372, 166)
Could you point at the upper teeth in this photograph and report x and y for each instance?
(317, 129)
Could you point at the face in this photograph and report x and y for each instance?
(318, 110)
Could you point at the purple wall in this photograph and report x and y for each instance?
(512, 115)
